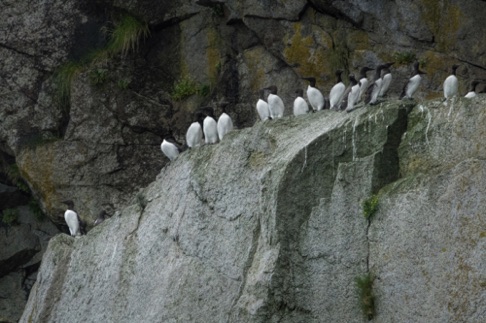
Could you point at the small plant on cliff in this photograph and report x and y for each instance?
(366, 297)
(35, 208)
(403, 58)
(10, 216)
(98, 76)
(64, 78)
(126, 35)
(13, 174)
(370, 206)
(186, 87)
(183, 89)
(141, 201)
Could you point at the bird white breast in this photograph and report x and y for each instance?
(210, 130)
(470, 94)
(336, 94)
(450, 86)
(376, 90)
(316, 99)
(169, 149)
(353, 97)
(412, 85)
(262, 109)
(385, 84)
(276, 106)
(300, 106)
(194, 135)
(363, 86)
(72, 221)
(225, 125)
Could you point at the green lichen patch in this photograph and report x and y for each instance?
(370, 206)
(366, 297)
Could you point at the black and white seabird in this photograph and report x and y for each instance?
(315, 97)
(101, 217)
(275, 103)
(413, 82)
(225, 124)
(472, 90)
(210, 126)
(170, 147)
(337, 91)
(194, 133)
(352, 94)
(72, 219)
(451, 84)
(375, 86)
(363, 82)
(262, 107)
(387, 78)
(300, 106)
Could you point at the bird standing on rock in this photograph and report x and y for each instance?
(300, 106)
(194, 133)
(387, 78)
(262, 107)
(472, 90)
(170, 147)
(101, 217)
(352, 95)
(337, 91)
(225, 124)
(315, 97)
(451, 84)
(72, 219)
(363, 82)
(375, 86)
(413, 82)
(275, 103)
(210, 127)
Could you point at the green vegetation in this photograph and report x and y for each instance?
(126, 35)
(185, 87)
(370, 206)
(10, 216)
(64, 78)
(366, 297)
(98, 76)
(36, 210)
(13, 174)
(123, 83)
(141, 201)
(403, 58)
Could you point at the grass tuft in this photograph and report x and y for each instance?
(403, 58)
(186, 87)
(13, 174)
(64, 78)
(126, 35)
(370, 206)
(366, 297)
(10, 217)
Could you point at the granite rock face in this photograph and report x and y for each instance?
(22, 245)
(120, 109)
(268, 226)
(101, 144)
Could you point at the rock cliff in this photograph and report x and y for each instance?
(268, 226)
(88, 89)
